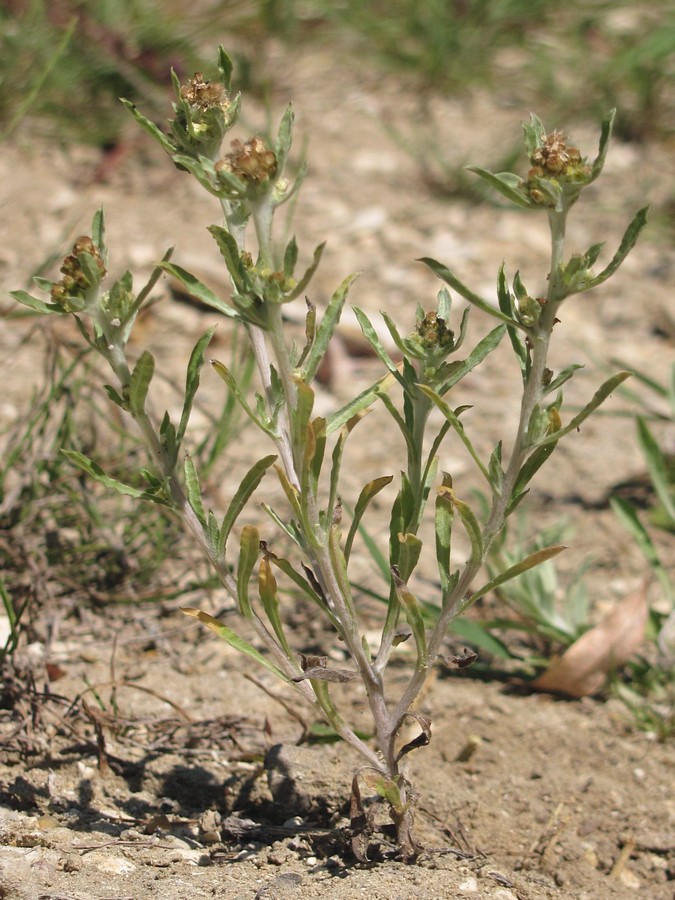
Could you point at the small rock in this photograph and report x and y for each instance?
(469, 885)
(630, 879)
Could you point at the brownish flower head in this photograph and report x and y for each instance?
(252, 161)
(204, 95)
(555, 158)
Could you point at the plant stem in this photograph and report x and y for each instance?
(539, 339)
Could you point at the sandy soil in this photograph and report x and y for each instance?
(155, 766)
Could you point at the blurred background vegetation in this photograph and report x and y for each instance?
(67, 61)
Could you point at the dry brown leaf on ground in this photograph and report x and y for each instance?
(583, 667)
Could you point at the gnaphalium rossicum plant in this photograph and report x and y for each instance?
(248, 180)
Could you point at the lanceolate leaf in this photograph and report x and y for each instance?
(506, 183)
(97, 473)
(454, 420)
(599, 397)
(140, 382)
(368, 491)
(605, 135)
(532, 465)
(194, 493)
(562, 377)
(249, 551)
(243, 493)
(197, 289)
(233, 639)
(449, 278)
(231, 382)
(267, 589)
(192, 381)
(468, 520)
(534, 559)
(307, 277)
(445, 513)
(627, 243)
(373, 339)
(150, 127)
(329, 322)
(38, 306)
(359, 405)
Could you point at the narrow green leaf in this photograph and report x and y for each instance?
(249, 552)
(562, 377)
(225, 69)
(446, 275)
(627, 243)
(140, 382)
(167, 438)
(37, 305)
(534, 559)
(301, 415)
(232, 384)
(413, 614)
(291, 492)
(290, 257)
(116, 398)
(534, 134)
(360, 404)
(284, 139)
(97, 473)
(196, 288)
(443, 521)
(230, 253)
(329, 322)
(409, 554)
(599, 397)
(267, 590)
(373, 339)
(303, 584)
(248, 484)
(192, 381)
(495, 470)
(455, 422)
(482, 349)
(469, 521)
(605, 135)
(368, 491)
(286, 525)
(193, 490)
(307, 277)
(150, 127)
(531, 466)
(233, 640)
(506, 183)
(340, 569)
(98, 231)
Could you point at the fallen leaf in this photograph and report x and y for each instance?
(583, 667)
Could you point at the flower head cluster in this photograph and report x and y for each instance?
(554, 166)
(204, 95)
(82, 269)
(432, 333)
(252, 161)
